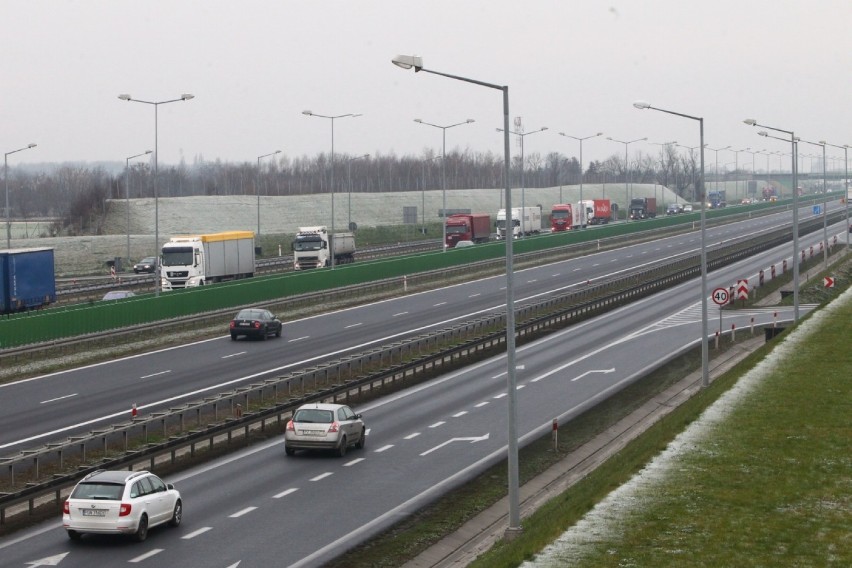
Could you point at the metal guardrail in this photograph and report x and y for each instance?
(340, 380)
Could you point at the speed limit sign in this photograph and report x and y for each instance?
(720, 296)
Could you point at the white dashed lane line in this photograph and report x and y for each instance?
(194, 534)
(436, 424)
(412, 436)
(58, 398)
(353, 462)
(383, 448)
(322, 476)
(233, 355)
(145, 556)
(285, 493)
(242, 512)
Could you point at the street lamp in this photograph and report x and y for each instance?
(692, 164)
(156, 105)
(6, 183)
(257, 185)
(331, 118)
(845, 149)
(824, 203)
(716, 150)
(662, 164)
(349, 187)
(795, 174)
(582, 225)
(705, 356)
(627, 181)
(444, 173)
(127, 194)
(521, 135)
(416, 62)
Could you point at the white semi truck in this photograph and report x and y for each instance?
(525, 221)
(314, 247)
(198, 260)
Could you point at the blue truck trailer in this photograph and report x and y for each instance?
(27, 280)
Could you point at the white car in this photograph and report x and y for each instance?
(121, 502)
(687, 207)
(317, 426)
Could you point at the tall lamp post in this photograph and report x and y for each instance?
(845, 149)
(628, 186)
(257, 185)
(6, 183)
(580, 140)
(716, 161)
(349, 187)
(705, 356)
(127, 194)
(662, 164)
(416, 63)
(443, 173)
(521, 135)
(331, 182)
(824, 203)
(156, 105)
(795, 173)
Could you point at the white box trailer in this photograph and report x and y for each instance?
(197, 260)
(525, 221)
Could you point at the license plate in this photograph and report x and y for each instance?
(245, 324)
(316, 433)
(94, 512)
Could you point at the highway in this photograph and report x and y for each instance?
(259, 508)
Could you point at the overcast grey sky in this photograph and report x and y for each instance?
(573, 66)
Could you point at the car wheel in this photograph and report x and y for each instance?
(264, 335)
(341, 450)
(363, 440)
(278, 333)
(142, 531)
(74, 535)
(289, 451)
(177, 514)
(233, 337)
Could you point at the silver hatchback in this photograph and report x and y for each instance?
(319, 426)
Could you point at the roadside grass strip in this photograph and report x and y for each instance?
(762, 477)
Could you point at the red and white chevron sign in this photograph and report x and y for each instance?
(742, 289)
(828, 281)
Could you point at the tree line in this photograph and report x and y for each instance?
(75, 195)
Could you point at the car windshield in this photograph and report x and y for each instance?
(147, 260)
(250, 315)
(314, 415)
(100, 491)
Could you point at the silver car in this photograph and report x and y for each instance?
(324, 427)
(121, 502)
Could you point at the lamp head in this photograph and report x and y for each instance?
(750, 122)
(763, 133)
(822, 142)
(609, 138)
(187, 96)
(307, 112)
(499, 130)
(420, 120)
(124, 97)
(408, 61)
(642, 104)
(277, 152)
(31, 145)
(543, 128)
(149, 151)
(469, 120)
(599, 134)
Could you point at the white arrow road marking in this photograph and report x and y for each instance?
(577, 378)
(472, 440)
(235, 564)
(49, 561)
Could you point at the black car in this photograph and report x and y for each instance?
(255, 322)
(147, 264)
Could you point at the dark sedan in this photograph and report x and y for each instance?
(147, 264)
(255, 322)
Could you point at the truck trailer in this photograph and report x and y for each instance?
(197, 260)
(592, 212)
(314, 247)
(561, 217)
(643, 208)
(27, 280)
(474, 227)
(525, 221)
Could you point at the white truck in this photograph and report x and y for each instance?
(197, 260)
(525, 221)
(314, 247)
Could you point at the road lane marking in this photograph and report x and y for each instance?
(482, 404)
(459, 414)
(233, 355)
(475, 295)
(353, 325)
(242, 512)
(400, 314)
(322, 476)
(295, 339)
(146, 556)
(353, 462)
(194, 534)
(155, 374)
(412, 436)
(439, 304)
(383, 448)
(58, 398)
(436, 424)
(501, 395)
(285, 493)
